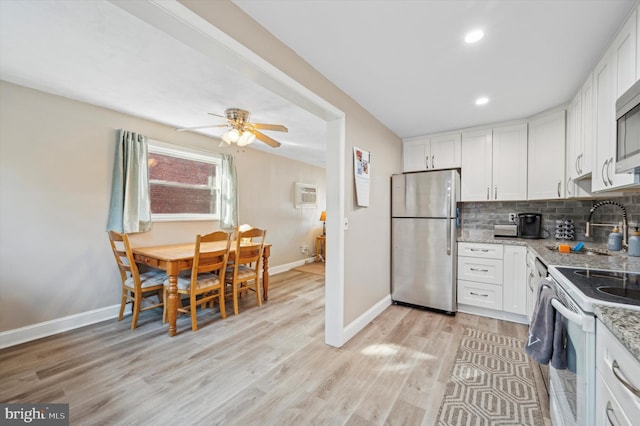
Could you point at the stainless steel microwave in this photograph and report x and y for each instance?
(628, 131)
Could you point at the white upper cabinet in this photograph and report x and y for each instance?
(494, 164)
(547, 156)
(477, 163)
(445, 151)
(431, 153)
(414, 155)
(510, 162)
(614, 74)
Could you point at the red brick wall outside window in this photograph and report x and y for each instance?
(182, 186)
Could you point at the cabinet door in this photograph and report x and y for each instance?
(414, 155)
(584, 162)
(476, 165)
(604, 116)
(514, 280)
(510, 162)
(624, 57)
(546, 157)
(445, 151)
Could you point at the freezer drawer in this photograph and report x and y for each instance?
(423, 273)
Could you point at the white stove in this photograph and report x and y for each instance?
(588, 287)
(572, 391)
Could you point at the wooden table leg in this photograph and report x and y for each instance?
(265, 273)
(172, 303)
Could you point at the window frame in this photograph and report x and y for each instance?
(187, 153)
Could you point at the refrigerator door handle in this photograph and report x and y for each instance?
(449, 222)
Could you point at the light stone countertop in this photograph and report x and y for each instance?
(623, 323)
(617, 261)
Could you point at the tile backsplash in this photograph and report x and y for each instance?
(484, 215)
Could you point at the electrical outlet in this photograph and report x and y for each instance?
(513, 217)
(304, 249)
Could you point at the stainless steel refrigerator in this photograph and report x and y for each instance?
(423, 237)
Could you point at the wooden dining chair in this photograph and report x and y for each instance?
(136, 287)
(204, 283)
(246, 264)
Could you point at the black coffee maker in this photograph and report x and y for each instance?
(529, 225)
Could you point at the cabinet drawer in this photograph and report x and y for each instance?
(610, 350)
(608, 410)
(480, 270)
(479, 294)
(488, 251)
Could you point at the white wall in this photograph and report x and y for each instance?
(367, 242)
(56, 159)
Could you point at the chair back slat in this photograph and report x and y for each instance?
(211, 261)
(250, 252)
(123, 255)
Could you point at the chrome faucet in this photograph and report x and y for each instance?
(625, 226)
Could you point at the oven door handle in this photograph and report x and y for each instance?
(565, 312)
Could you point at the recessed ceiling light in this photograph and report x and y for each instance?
(482, 101)
(474, 36)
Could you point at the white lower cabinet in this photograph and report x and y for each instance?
(514, 284)
(480, 294)
(492, 280)
(617, 378)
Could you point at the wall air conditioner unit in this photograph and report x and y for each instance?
(306, 195)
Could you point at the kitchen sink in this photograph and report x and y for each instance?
(584, 251)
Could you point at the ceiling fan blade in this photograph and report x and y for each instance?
(217, 115)
(274, 127)
(210, 126)
(266, 139)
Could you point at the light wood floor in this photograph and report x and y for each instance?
(267, 366)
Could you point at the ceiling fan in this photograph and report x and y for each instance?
(241, 130)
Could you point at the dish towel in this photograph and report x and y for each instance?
(546, 332)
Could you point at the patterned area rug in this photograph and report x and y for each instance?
(491, 384)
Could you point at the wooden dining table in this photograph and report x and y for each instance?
(174, 258)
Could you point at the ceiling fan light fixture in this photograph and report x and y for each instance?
(246, 138)
(231, 136)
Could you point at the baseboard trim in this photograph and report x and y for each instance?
(490, 313)
(363, 320)
(28, 333)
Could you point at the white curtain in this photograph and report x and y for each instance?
(130, 209)
(228, 193)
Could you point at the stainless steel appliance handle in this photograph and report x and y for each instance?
(565, 312)
(634, 390)
(449, 222)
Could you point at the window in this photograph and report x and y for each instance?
(184, 184)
